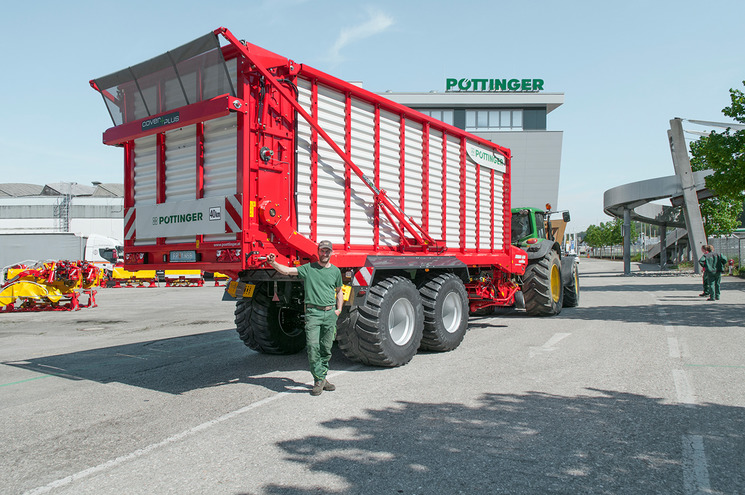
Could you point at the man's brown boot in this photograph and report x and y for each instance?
(318, 387)
(327, 386)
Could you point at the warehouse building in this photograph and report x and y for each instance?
(62, 207)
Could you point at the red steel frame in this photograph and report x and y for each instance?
(258, 221)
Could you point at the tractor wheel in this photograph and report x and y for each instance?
(542, 289)
(387, 329)
(270, 327)
(571, 290)
(445, 304)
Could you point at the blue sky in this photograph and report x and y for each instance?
(626, 69)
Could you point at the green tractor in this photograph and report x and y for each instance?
(551, 280)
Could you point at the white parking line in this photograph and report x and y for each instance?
(695, 470)
(674, 348)
(683, 388)
(549, 345)
(172, 439)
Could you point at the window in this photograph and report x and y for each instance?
(502, 120)
(443, 115)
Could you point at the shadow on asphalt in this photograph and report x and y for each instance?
(178, 365)
(606, 442)
(707, 315)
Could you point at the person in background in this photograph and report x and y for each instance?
(714, 265)
(704, 275)
(323, 302)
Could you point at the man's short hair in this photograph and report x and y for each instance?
(325, 245)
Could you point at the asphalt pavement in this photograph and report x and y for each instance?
(640, 389)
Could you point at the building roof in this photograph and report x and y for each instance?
(109, 190)
(64, 188)
(19, 189)
(22, 190)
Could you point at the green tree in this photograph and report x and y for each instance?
(592, 236)
(725, 154)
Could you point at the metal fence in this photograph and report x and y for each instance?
(731, 247)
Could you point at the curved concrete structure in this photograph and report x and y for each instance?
(637, 197)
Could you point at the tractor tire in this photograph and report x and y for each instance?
(542, 289)
(571, 290)
(445, 303)
(387, 329)
(270, 327)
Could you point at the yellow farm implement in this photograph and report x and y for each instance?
(50, 286)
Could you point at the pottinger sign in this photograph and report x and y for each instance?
(191, 217)
(465, 84)
(486, 158)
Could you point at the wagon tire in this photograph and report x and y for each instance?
(387, 329)
(270, 327)
(445, 303)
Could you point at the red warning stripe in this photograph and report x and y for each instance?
(363, 276)
(129, 223)
(233, 208)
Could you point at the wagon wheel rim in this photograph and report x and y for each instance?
(401, 320)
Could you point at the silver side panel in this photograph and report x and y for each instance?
(181, 170)
(436, 199)
(220, 162)
(452, 197)
(145, 158)
(361, 200)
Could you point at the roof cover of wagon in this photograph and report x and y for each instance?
(193, 72)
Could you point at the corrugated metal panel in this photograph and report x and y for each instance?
(470, 206)
(500, 242)
(453, 193)
(436, 199)
(220, 161)
(390, 167)
(145, 165)
(362, 199)
(413, 167)
(181, 170)
(181, 159)
(485, 209)
(303, 166)
(330, 167)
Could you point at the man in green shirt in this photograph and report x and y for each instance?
(323, 302)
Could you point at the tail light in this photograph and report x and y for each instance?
(135, 258)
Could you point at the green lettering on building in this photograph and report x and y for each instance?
(487, 85)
